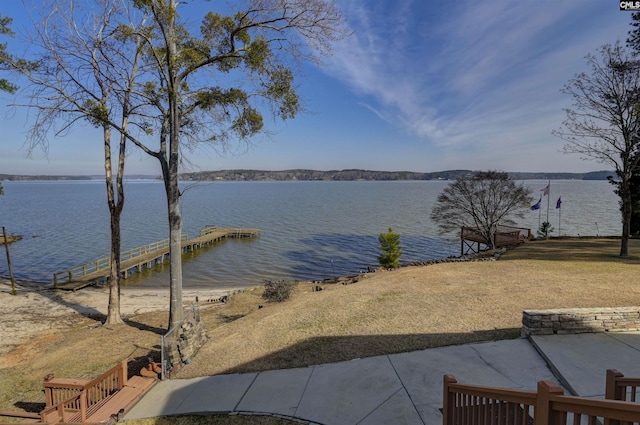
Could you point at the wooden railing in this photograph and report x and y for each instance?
(105, 399)
(208, 229)
(503, 236)
(65, 410)
(478, 405)
(66, 398)
(473, 404)
(105, 262)
(620, 388)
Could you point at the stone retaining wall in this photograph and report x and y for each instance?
(183, 342)
(580, 320)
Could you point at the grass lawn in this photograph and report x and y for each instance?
(384, 312)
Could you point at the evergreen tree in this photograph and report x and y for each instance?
(390, 249)
(5, 85)
(545, 229)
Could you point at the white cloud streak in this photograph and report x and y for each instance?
(478, 74)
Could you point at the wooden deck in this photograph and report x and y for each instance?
(136, 259)
(99, 400)
(504, 236)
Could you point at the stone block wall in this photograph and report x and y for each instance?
(580, 320)
(184, 343)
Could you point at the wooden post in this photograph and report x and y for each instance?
(122, 373)
(6, 247)
(83, 406)
(544, 414)
(448, 401)
(613, 391)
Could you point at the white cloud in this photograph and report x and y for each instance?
(484, 73)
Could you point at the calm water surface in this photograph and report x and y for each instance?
(310, 230)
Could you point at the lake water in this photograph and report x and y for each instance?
(309, 230)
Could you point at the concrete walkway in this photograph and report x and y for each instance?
(400, 388)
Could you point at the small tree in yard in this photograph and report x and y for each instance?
(482, 201)
(545, 230)
(390, 248)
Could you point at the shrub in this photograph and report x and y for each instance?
(390, 248)
(545, 230)
(276, 292)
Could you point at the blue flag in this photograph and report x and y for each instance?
(536, 206)
(558, 203)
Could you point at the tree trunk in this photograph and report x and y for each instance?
(113, 314)
(113, 311)
(171, 181)
(175, 250)
(625, 193)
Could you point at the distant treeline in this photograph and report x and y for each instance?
(15, 177)
(332, 175)
(22, 177)
(347, 175)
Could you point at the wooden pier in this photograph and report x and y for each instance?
(136, 259)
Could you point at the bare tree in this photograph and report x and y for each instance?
(482, 201)
(213, 83)
(604, 121)
(86, 72)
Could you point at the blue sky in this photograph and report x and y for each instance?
(421, 85)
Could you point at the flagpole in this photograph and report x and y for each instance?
(548, 197)
(539, 215)
(559, 217)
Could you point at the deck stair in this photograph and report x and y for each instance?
(104, 399)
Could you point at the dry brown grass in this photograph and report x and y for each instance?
(421, 307)
(385, 312)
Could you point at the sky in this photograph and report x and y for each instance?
(420, 85)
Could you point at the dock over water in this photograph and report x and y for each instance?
(136, 259)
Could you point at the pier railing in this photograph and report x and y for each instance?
(208, 229)
(104, 263)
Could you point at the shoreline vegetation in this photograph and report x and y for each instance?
(411, 308)
(318, 175)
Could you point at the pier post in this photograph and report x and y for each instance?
(6, 247)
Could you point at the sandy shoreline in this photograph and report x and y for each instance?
(36, 310)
